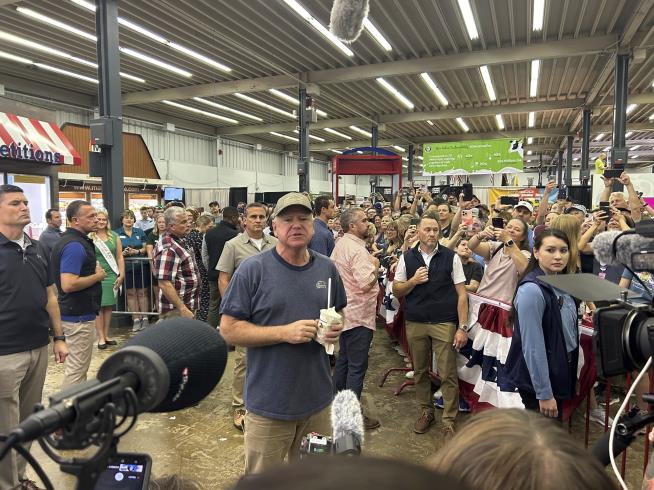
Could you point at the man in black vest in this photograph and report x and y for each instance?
(78, 276)
(432, 280)
(212, 246)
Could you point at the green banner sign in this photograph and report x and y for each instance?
(473, 157)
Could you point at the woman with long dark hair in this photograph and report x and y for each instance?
(542, 361)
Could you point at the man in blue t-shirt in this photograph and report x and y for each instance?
(272, 306)
(78, 277)
(323, 238)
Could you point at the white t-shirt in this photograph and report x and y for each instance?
(458, 276)
(258, 242)
(21, 242)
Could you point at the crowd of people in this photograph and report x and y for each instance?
(284, 283)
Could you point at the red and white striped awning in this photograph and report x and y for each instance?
(23, 138)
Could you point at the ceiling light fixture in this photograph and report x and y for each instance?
(500, 121)
(280, 135)
(361, 131)
(535, 71)
(530, 140)
(429, 122)
(398, 148)
(302, 12)
(529, 152)
(635, 147)
(630, 108)
(531, 120)
(317, 138)
(607, 148)
(86, 5)
(485, 76)
(293, 100)
(227, 109)
(336, 151)
(627, 135)
(61, 25)
(263, 104)
(155, 62)
(376, 34)
(463, 124)
(65, 72)
(599, 137)
(199, 111)
(651, 117)
(337, 133)
(538, 15)
(434, 88)
(468, 19)
(392, 90)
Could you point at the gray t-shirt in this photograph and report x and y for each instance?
(284, 381)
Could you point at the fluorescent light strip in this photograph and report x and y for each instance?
(635, 147)
(405, 159)
(398, 148)
(132, 77)
(599, 137)
(302, 12)
(531, 120)
(529, 152)
(200, 57)
(279, 135)
(336, 151)
(407, 103)
(13, 57)
(500, 121)
(630, 108)
(468, 19)
(66, 72)
(538, 15)
(651, 117)
(317, 138)
(485, 76)
(292, 100)
(376, 34)
(227, 109)
(263, 104)
(628, 134)
(634, 156)
(463, 124)
(361, 131)
(530, 140)
(86, 5)
(434, 88)
(154, 61)
(607, 148)
(535, 71)
(420, 157)
(337, 133)
(429, 122)
(61, 25)
(142, 30)
(200, 111)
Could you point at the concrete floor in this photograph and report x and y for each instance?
(202, 444)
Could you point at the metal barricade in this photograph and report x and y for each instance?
(139, 292)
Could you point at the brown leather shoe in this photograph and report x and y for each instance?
(239, 419)
(370, 423)
(424, 422)
(448, 432)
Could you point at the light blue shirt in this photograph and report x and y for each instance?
(530, 306)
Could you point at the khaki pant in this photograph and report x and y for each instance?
(213, 317)
(80, 337)
(268, 442)
(238, 383)
(439, 337)
(175, 313)
(21, 384)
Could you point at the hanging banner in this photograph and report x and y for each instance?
(475, 157)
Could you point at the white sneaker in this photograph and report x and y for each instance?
(138, 325)
(597, 415)
(438, 394)
(409, 375)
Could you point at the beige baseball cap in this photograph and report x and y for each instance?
(292, 199)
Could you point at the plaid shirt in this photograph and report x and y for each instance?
(173, 262)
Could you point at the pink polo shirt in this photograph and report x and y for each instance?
(357, 270)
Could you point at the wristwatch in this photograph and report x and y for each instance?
(509, 243)
(464, 328)
(59, 337)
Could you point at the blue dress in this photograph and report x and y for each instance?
(137, 271)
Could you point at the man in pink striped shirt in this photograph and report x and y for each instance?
(358, 270)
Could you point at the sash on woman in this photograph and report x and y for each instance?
(108, 256)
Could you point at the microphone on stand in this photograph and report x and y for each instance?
(347, 423)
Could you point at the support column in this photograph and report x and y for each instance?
(374, 140)
(107, 130)
(540, 170)
(559, 169)
(584, 171)
(568, 162)
(620, 81)
(303, 142)
(409, 173)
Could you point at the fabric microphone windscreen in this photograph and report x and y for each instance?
(346, 20)
(625, 246)
(346, 416)
(195, 355)
(603, 247)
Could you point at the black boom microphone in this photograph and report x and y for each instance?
(170, 366)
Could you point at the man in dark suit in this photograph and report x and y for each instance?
(212, 246)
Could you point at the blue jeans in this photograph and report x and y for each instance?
(352, 362)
